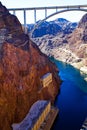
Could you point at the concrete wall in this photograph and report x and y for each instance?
(46, 79)
(35, 117)
(42, 117)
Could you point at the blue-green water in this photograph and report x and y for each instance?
(72, 100)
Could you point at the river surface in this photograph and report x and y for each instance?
(72, 99)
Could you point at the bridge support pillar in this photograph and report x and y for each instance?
(45, 12)
(25, 25)
(56, 9)
(35, 15)
(14, 12)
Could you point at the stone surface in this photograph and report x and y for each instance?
(21, 67)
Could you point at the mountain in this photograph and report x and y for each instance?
(78, 42)
(59, 25)
(21, 67)
(67, 47)
(83, 24)
(66, 26)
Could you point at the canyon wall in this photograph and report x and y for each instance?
(67, 47)
(21, 67)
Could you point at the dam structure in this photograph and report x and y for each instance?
(40, 117)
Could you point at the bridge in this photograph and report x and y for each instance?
(57, 9)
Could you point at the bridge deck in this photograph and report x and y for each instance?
(50, 7)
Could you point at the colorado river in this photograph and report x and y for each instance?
(72, 100)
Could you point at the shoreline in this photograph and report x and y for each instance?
(81, 68)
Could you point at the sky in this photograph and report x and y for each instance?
(73, 16)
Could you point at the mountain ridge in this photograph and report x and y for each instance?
(52, 27)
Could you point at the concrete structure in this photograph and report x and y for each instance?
(56, 10)
(48, 122)
(46, 79)
(35, 117)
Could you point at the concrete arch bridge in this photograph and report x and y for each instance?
(57, 10)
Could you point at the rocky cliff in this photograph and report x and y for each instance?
(78, 43)
(70, 48)
(21, 67)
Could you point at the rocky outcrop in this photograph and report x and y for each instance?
(21, 67)
(78, 42)
(83, 25)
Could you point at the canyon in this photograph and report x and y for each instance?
(70, 47)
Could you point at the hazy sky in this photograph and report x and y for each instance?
(71, 16)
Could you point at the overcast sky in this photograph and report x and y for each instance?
(71, 16)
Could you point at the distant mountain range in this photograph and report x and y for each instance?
(53, 27)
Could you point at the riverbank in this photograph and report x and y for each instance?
(65, 55)
(84, 69)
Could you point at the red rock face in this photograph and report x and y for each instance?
(78, 39)
(21, 67)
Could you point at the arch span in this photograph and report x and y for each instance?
(58, 12)
(62, 11)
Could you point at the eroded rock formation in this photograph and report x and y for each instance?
(69, 48)
(21, 67)
(78, 43)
